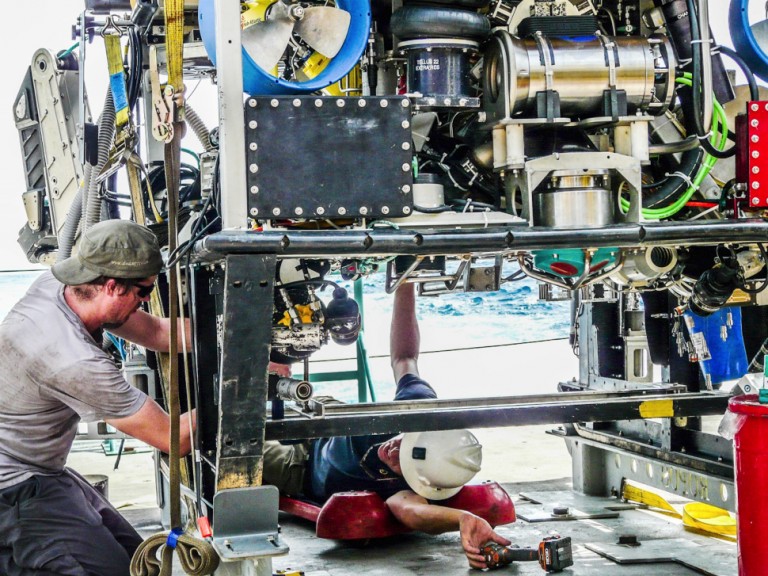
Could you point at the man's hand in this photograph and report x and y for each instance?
(475, 532)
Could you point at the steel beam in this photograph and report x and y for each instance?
(411, 416)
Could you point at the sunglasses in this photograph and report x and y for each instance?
(144, 290)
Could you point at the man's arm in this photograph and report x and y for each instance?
(151, 424)
(152, 332)
(417, 513)
(404, 337)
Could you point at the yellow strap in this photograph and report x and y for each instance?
(635, 494)
(117, 79)
(698, 515)
(174, 43)
(709, 519)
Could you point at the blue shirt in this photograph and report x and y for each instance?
(345, 463)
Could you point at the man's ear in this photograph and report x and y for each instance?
(113, 288)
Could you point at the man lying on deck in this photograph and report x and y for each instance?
(319, 468)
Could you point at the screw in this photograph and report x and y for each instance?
(253, 168)
(254, 211)
(340, 103)
(252, 124)
(254, 189)
(298, 211)
(755, 185)
(384, 103)
(405, 103)
(406, 210)
(276, 211)
(406, 188)
(405, 124)
(385, 210)
(406, 146)
(252, 102)
(755, 138)
(320, 210)
(361, 103)
(754, 123)
(296, 102)
(274, 102)
(318, 103)
(253, 146)
(363, 210)
(342, 210)
(755, 154)
(754, 107)
(406, 167)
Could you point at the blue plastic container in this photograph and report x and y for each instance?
(719, 359)
(256, 81)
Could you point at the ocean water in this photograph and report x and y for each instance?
(472, 344)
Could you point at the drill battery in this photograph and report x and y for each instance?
(553, 554)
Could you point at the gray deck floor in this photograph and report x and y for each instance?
(417, 554)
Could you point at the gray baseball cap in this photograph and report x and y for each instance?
(113, 248)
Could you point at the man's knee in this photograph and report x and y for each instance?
(284, 466)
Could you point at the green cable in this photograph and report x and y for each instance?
(717, 139)
(68, 51)
(193, 154)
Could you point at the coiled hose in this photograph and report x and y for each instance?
(79, 205)
(199, 128)
(75, 213)
(106, 136)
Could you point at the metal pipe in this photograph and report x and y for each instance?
(502, 239)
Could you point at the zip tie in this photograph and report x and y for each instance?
(706, 136)
(485, 218)
(173, 537)
(701, 41)
(684, 63)
(684, 177)
(466, 206)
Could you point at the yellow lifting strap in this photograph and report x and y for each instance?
(697, 515)
(117, 79)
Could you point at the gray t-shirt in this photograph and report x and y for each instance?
(53, 374)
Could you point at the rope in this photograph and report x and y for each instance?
(197, 557)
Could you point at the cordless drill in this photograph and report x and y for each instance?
(553, 554)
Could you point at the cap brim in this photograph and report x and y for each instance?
(412, 477)
(72, 272)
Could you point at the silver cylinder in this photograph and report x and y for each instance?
(580, 72)
(576, 199)
(294, 390)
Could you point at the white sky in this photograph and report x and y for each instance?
(48, 24)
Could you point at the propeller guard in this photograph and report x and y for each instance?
(257, 81)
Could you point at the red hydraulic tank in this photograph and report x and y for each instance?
(750, 445)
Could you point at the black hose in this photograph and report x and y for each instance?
(689, 164)
(754, 93)
(697, 54)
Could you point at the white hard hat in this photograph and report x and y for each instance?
(437, 464)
